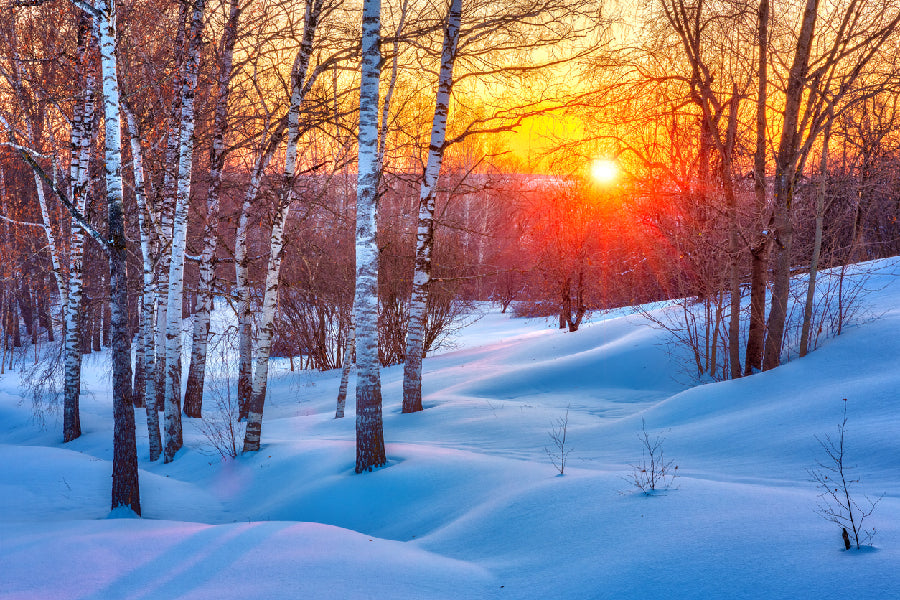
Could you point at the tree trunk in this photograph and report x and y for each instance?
(785, 173)
(300, 83)
(817, 242)
(369, 423)
(759, 250)
(44, 316)
(97, 309)
(12, 307)
(349, 359)
(166, 208)
(244, 316)
(253, 430)
(106, 315)
(139, 382)
(145, 385)
(734, 321)
(125, 491)
(173, 435)
(193, 396)
(71, 302)
(418, 303)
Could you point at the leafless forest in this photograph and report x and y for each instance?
(354, 179)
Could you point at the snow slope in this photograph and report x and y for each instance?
(469, 505)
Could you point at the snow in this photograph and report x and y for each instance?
(469, 505)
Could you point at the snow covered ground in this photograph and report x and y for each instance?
(469, 505)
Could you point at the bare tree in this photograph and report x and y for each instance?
(836, 504)
(193, 395)
(559, 436)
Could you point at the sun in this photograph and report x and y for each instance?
(604, 170)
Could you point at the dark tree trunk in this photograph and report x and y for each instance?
(86, 324)
(759, 260)
(14, 322)
(785, 171)
(26, 309)
(781, 270)
(44, 317)
(759, 250)
(125, 491)
(107, 317)
(96, 325)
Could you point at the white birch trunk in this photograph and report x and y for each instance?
(125, 490)
(173, 437)
(193, 396)
(148, 293)
(166, 213)
(350, 346)
(82, 129)
(55, 263)
(349, 359)
(242, 278)
(300, 83)
(242, 287)
(412, 371)
(369, 423)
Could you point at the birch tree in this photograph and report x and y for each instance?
(125, 492)
(496, 30)
(70, 288)
(125, 485)
(81, 138)
(303, 77)
(193, 396)
(173, 435)
(370, 451)
(149, 292)
(165, 206)
(349, 356)
(412, 370)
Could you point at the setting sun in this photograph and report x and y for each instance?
(604, 171)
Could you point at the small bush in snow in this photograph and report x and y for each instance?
(559, 453)
(654, 472)
(222, 426)
(836, 503)
(43, 383)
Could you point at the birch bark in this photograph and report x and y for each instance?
(173, 436)
(349, 359)
(166, 207)
(242, 271)
(81, 137)
(148, 293)
(193, 396)
(350, 346)
(412, 370)
(301, 82)
(369, 423)
(125, 491)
